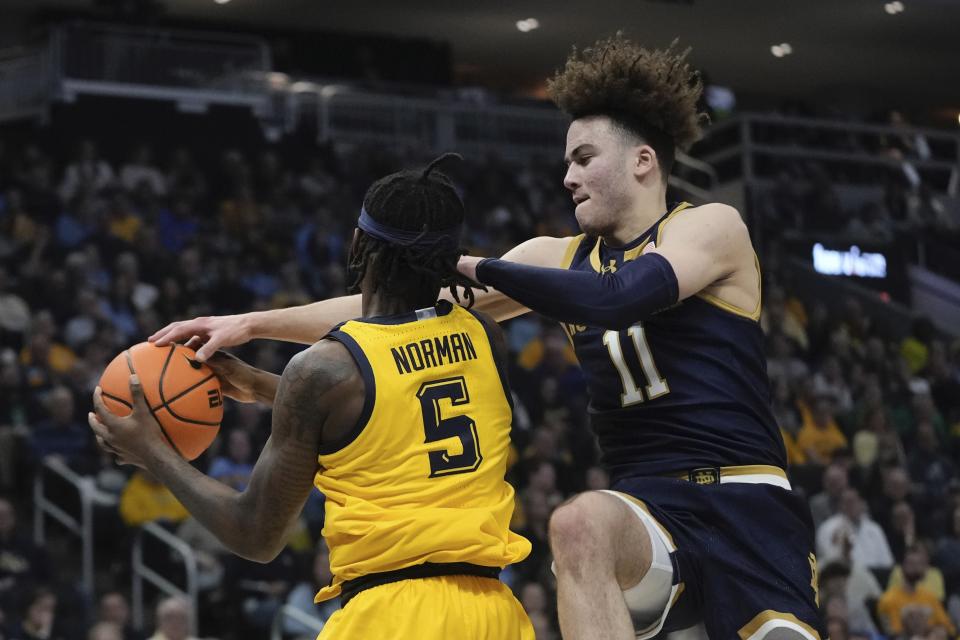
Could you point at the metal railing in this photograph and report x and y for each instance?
(82, 527)
(287, 611)
(24, 82)
(738, 142)
(141, 573)
(511, 132)
(193, 69)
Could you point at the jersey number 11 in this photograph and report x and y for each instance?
(655, 387)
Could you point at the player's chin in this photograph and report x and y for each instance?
(589, 223)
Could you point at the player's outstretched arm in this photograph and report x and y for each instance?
(252, 523)
(304, 324)
(702, 247)
(542, 251)
(308, 323)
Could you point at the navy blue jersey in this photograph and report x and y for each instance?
(686, 388)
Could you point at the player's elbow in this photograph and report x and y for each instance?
(257, 549)
(262, 555)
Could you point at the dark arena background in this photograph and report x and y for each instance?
(167, 159)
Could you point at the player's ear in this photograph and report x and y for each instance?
(644, 160)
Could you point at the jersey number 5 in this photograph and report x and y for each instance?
(655, 387)
(438, 428)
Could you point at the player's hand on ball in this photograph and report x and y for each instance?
(205, 334)
(131, 439)
(237, 378)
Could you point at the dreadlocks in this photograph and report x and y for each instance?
(418, 200)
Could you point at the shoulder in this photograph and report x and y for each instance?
(319, 368)
(543, 251)
(709, 221)
(498, 342)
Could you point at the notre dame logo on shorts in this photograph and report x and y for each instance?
(215, 398)
(705, 475)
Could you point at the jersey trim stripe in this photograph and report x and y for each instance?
(501, 366)
(735, 310)
(369, 392)
(442, 308)
(571, 251)
(680, 207)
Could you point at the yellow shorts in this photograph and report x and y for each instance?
(437, 608)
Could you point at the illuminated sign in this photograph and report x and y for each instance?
(849, 263)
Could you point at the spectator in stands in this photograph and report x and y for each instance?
(534, 598)
(140, 171)
(902, 530)
(210, 553)
(114, 610)
(236, 467)
(259, 590)
(61, 435)
(173, 620)
(536, 512)
(23, 565)
(43, 359)
(895, 488)
(87, 174)
(783, 363)
(39, 618)
(931, 577)
(894, 601)
(785, 316)
(15, 410)
(184, 177)
(853, 532)
(542, 627)
(947, 557)
(301, 596)
(830, 381)
(105, 631)
(827, 502)
(145, 500)
(820, 436)
(542, 479)
(859, 589)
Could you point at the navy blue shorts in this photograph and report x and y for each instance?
(744, 556)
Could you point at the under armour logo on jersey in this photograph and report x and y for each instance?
(612, 268)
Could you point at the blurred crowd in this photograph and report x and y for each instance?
(895, 192)
(97, 252)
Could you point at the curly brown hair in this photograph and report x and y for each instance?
(652, 92)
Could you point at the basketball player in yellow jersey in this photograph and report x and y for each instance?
(401, 418)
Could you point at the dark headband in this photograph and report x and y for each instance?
(447, 240)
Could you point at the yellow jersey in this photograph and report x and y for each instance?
(421, 476)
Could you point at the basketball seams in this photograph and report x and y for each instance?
(116, 399)
(182, 393)
(151, 409)
(166, 403)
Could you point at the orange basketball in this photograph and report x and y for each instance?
(183, 394)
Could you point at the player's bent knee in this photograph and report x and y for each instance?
(583, 521)
(580, 527)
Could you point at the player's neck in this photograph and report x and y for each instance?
(638, 219)
(377, 305)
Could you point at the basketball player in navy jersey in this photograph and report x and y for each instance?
(662, 305)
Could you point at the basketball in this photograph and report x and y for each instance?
(183, 394)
